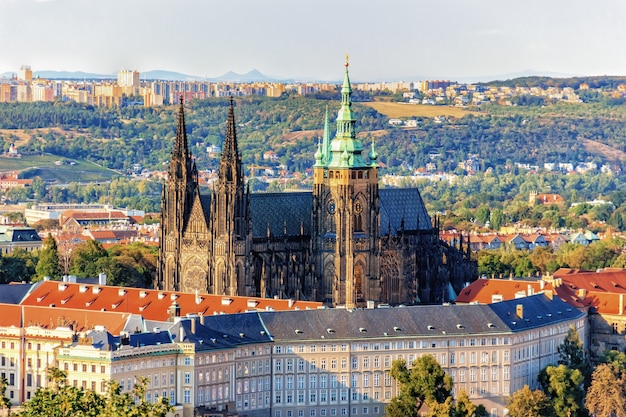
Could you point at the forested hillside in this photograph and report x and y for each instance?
(497, 137)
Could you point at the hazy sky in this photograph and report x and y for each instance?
(386, 39)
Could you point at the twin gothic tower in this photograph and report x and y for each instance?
(323, 246)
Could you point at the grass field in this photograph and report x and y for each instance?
(44, 166)
(401, 110)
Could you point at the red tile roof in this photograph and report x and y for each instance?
(482, 291)
(51, 318)
(151, 304)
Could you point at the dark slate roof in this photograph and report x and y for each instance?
(415, 321)
(205, 199)
(294, 209)
(538, 311)
(278, 210)
(103, 340)
(21, 234)
(402, 203)
(381, 322)
(223, 331)
(14, 293)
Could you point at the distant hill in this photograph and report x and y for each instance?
(75, 75)
(167, 76)
(251, 76)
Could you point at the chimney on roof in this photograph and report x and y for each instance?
(201, 319)
(519, 311)
(102, 279)
(193, 325)
(174, 312)
(542, 284)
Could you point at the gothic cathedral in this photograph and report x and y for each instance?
(346, 243)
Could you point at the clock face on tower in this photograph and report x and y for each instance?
(330, 206)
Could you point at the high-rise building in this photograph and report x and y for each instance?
(128, 78)
(346, 243)
(25, 73)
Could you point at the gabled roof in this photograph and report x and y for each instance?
(280, 212)
(402, 204)
(607, 281)
(151, 304)
(476, 239)
(485, 291)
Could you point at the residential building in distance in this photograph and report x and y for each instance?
(22, 237)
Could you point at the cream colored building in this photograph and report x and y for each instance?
(313, 363)
(128, 78)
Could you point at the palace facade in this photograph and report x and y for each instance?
(345, 243)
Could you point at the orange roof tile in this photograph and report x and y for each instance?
(50, 318)
(11, 315)
(482, 291)
(78, 320)
(606, 281)
(151, 304)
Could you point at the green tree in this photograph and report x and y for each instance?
(572, 354)
(18, 266)
(607, 394)
(59, 399)
(483, 214)
(543, 259)
(564, 387)
(425, 382)
(496, 219)
(5, 402)
(466, 408)
(527, 403)
(85, 258)
(39, 188)
(48, 264)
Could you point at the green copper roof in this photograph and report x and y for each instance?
(345, 150)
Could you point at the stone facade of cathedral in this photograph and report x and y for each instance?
(345, 243)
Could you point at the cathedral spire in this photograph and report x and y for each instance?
(180, 143)
(345, 149)
(230, 149)
(230, 161)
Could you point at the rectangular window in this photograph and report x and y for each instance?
(187, 396)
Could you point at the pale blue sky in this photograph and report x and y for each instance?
(386, 39)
